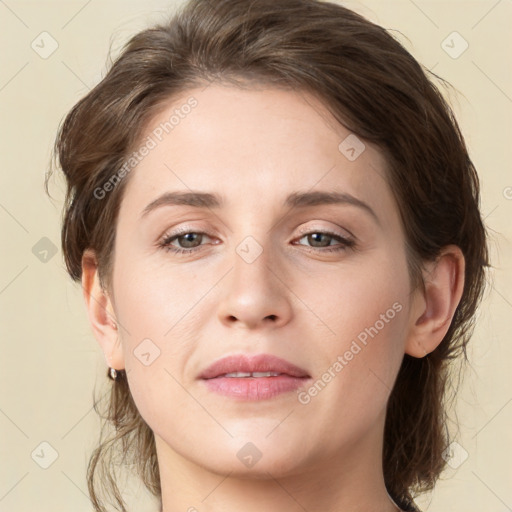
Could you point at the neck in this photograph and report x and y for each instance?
(350, 480)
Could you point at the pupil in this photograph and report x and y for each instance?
(316, 236)
(189, 237)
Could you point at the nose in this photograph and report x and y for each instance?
(255, 293)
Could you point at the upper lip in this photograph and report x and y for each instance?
(252, 363)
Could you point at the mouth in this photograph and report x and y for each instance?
(259, 377)
(256, 375)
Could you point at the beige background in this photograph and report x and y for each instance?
(50, 360)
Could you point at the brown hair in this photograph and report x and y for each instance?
(371, 85)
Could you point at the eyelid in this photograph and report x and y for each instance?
(302, 230)
(312, 229)
(347, 242)
(183, 230)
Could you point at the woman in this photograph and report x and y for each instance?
(275, 221)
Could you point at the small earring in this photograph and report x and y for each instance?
(112, 373)
(114, 325)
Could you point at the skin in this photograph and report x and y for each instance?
(254, 146)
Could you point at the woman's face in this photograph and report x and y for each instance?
(261, 279)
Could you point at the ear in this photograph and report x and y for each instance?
(100, 311)
(433, 308)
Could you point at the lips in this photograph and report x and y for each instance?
(252, 378)
(257, 366)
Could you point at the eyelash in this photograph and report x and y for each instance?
(167, 239)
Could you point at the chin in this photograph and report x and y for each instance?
(255, 457)
(268, 467)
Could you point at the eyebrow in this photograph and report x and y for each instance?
(295, 200)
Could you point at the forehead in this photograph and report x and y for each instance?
(252, 143)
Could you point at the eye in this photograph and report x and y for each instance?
(323, 238)
(191, 240)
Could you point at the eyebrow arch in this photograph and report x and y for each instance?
(293, 201)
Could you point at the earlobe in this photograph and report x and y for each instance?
(434, 308)
(100, 312)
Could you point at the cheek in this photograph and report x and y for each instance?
(159, 333)
(364, 314)
(361, 298)
(154, 302)
(160, 337)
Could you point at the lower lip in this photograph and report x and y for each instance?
(254, 388)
